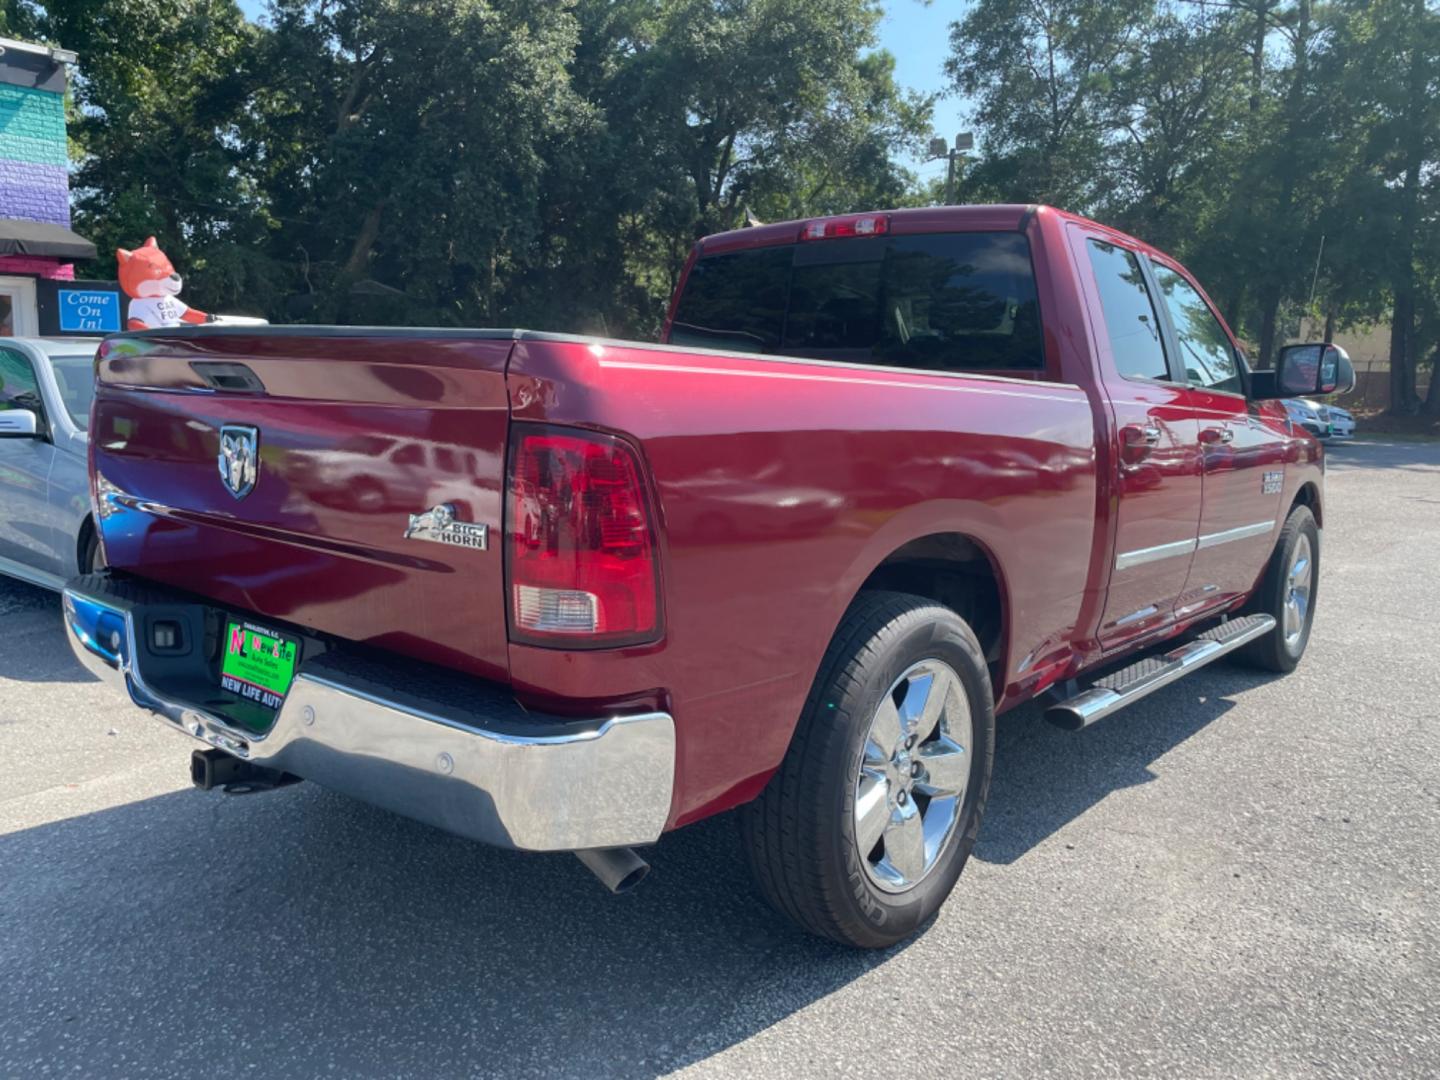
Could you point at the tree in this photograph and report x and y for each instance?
(1176, 106)
(700, 109)
(1248, 136)
(20, 19)
(1410, 94)
(160, 86)
(1040, 73)
(402, 146)
(470, 161)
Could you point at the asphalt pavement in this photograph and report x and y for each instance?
(1237, 877)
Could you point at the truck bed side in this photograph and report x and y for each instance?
(782, 487)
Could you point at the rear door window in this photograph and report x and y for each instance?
(962, 301)
(1131, 322)
(943, 302)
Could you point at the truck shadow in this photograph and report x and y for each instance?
(298, 932)
(1377, 453)
(35, 648)
(17, 596)
(1046, 777)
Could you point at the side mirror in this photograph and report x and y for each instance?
(18, 424)
(1347, 373)
(1313, 369)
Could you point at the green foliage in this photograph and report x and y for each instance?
(464, 162)
(154, 108)
(1041, 75)
(550, 162)
(19, 19)
(1240, 134)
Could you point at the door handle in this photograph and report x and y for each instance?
(1217, 435)
(1136, 441)
(1134, 435)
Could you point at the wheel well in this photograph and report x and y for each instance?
(82, 541)
(953, 570)
(1309, 496)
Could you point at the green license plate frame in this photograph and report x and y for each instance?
(258, 664)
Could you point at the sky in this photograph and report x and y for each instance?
(917, 34)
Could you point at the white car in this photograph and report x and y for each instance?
(1311, 415)
(1342, 423)
(46, 531)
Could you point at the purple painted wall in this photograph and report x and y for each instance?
(34, 179)
(34, 192)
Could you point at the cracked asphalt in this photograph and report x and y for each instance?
(1237, 877)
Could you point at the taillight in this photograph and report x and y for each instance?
(582, 569)
(856, 225)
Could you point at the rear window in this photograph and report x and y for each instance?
(940, 302)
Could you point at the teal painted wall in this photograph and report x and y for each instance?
(34, 182)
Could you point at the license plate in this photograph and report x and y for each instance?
(259, 664)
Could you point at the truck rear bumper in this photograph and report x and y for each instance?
(475, 764)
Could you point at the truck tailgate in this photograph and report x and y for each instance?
(355, 431)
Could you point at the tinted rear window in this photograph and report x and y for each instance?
(942, 302)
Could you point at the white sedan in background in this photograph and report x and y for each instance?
(1342, 423)
(46, 532)
(1310, 415)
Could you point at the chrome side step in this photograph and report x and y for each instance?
(1120, 688)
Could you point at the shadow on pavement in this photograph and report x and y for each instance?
(35, 649)
(297, 932)
(18, 596)
(1417, 456)
(1045, 777)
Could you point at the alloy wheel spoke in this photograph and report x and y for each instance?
(918, 692)
(947, 768)
(941, 686)
(872, 811)
(884, 732)
(905, 842)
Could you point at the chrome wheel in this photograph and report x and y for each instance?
(913, 776)
(1299, 583)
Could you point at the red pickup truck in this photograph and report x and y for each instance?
(887, 476)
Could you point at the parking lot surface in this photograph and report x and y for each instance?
(1239, 876)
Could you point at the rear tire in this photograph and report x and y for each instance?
(874, 762)
(92, 558)
(1288, 595)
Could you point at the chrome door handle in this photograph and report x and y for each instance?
(1136, 442)
(1217, 435)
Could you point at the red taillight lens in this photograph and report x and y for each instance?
(858, 225)
(581, 549)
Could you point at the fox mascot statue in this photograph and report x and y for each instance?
(154, 290)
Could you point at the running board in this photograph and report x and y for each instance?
(1144, 677)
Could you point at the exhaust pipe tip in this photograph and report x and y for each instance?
(619, 869)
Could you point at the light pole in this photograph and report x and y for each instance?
(964, 141)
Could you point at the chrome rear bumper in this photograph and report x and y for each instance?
(493, 773)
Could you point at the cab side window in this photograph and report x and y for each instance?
(1130, 317)
(18, 387)
(1205, 351)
